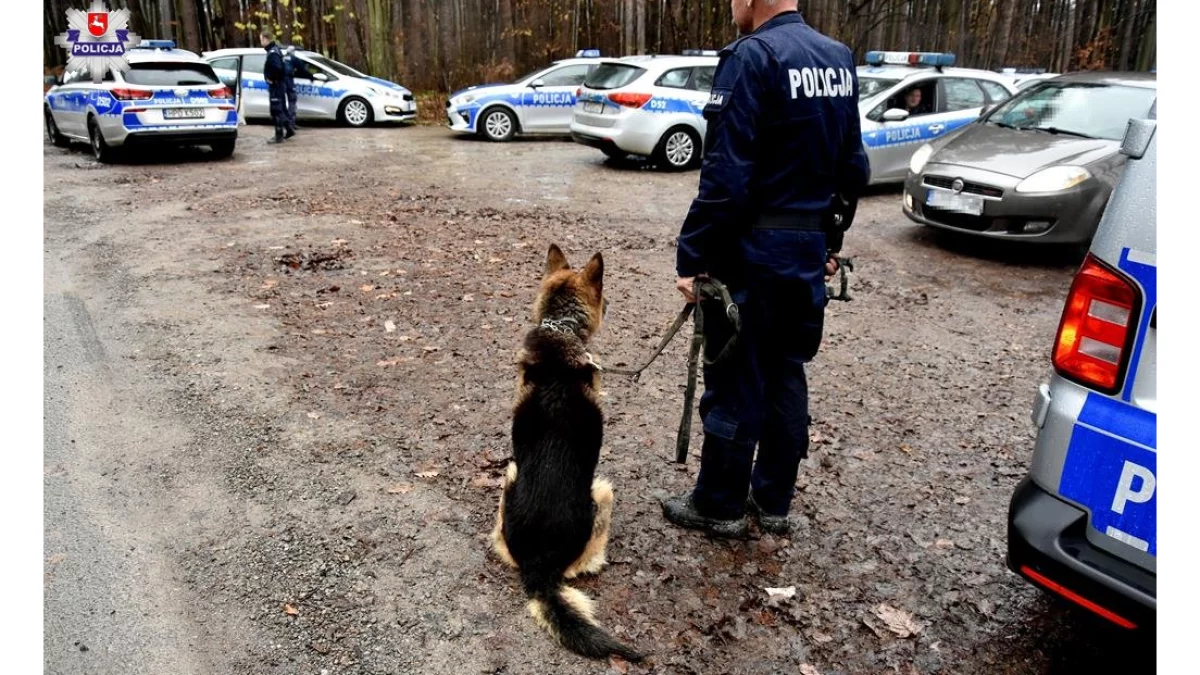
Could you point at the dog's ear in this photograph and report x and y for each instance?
(555, 260)
(593, 273)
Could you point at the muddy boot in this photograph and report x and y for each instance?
(779, 526)
(278, 136)
(682, 511)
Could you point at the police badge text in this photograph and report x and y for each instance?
(821, 82)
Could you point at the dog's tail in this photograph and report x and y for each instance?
(568, 615)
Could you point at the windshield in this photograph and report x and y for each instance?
(526, 76)
(339, 68)
(1075, 109)
(869, 86)
(612, 76)
(168, 74)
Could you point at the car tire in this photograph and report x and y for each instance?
(56, 136)
(678, 150)
(497, 124)
(103, 152)
(223, 148)
(355, 112)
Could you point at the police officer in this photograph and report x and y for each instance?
(273, 74)
(289, 86)
(783, 156)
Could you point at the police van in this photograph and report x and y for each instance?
(1082, 524)
(648, 106)
(537, 103)
(946, 99)
(168, 96)
(325, 89)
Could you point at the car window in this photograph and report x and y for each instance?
(303, 70)
(869, 86)
(677, 78)
(335, 66)
(1075, 109)
(925, 105)
(961, 94)
(170, 74)
(994, 90)
(567, 76)
(75, 77)
(612, 75)
(253, 63)
(227, 63)
(704, 78)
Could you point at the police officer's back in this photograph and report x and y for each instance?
(273, 74)
(290, 69)
(783, 153)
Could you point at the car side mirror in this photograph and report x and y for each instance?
(895, 115)
(320, 77)
(538, 83)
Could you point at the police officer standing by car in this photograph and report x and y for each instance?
(783, 157)
(289, 86)
(273, 74)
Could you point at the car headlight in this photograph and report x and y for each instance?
(1054, 179)
(465, 99)
(376, 91)
(919, 158)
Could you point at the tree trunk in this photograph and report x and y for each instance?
(641, 26)
(190, 24)
(166, 16)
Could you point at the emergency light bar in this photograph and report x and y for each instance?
(588, 54)
(155, 44)
(700, 52)
(935, 59)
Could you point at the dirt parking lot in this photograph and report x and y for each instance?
(308, 353)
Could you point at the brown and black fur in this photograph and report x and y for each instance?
(554, 515)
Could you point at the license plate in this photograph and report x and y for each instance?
(949, 201)
(593, 107)
(183, 113)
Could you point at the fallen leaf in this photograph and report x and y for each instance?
(822, 638)
(427, 474)
(807, 669)
(775, 596)
(469, 297)
(314, 415)
(262, 307)
(898, 621)
(291, 610)
(484, 481)
(944, 543)
(400, 489)
(366, 288)
(389, 326)
(430, 348)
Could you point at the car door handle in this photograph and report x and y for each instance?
(937, 128)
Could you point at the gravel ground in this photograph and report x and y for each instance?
(334, 323)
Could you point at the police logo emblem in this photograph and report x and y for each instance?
(97, 40)
(957, 185)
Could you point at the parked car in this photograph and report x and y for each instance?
(1038, 168)
(325, 89)
(1082, 525)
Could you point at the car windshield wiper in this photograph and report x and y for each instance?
(1065, 132)
(1005, 125)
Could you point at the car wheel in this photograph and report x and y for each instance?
(52, 131)
(103, 152)
(355, 112)
(679, 149)
(498, 124)
(223, 148)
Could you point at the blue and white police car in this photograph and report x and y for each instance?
(168, 96)
(538, 103)
(1083, 524)
(325, 89)
(648, 106)
(908, 99)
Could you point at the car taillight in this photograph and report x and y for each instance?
(578, 92)
(223, 92)
(630, 100)
(132, 94)
(1098, 322)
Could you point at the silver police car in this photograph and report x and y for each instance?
(1083, 524)
(908, 99)
(168, 96)
(325, 89)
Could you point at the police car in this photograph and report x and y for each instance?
(325, 89)
(1082, 524)
(538, 103)
(949, 99)
(168, 96)
(649, 106)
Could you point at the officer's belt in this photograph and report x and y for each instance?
(805, 222)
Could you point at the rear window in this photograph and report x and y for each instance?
(170, 74)
(612, 76)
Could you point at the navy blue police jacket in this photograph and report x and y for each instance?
(289, 72)
(783, 137)
(273, 68)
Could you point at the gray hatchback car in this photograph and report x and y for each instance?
(1039, 167)
(1083, 524)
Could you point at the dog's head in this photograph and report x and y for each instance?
(569, 294)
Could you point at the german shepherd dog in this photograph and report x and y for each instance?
(554, 515)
